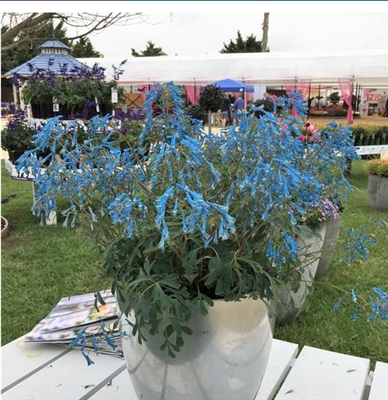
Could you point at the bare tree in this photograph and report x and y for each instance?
(265, 32)
(15, 23)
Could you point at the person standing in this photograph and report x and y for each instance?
(386, 109)
(238, 106)
(225, 110)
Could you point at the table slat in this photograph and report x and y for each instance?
(20, 359)
(282, 356)
(120, 389)
(69, 377)
(321, 374)
(379, 388)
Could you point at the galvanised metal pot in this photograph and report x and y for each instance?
(378, 192)
(292, 303)
(224, 359)
(331, 236)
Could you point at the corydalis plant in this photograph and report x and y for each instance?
(182, 217)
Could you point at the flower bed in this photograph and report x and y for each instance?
(328, 112)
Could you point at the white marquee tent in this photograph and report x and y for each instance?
(368, 68)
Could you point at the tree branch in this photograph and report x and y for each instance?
(31, 21)
(90, 22)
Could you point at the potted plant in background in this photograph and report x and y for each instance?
(80, 92)
(378, 183)
(332, 217)
(4, 227)
(334, 98)
(195, 234)
(16, 137)
(210, 100)
(291, 301)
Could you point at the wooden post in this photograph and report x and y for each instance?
(15, 96)
(319, 95)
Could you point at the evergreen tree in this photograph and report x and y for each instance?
(27, 49)
(150, 51)
(249, 45)
(84, 49)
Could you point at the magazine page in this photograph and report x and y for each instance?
(71, 314)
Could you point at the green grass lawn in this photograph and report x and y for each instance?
(41, 264)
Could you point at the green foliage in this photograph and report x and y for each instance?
(364, 135)
(378, 167)
(84, 49)
(129, 134)
(267, 104)
(150, 51)
(18, 138)
(73, 98)
(211, 98)
(249, 45)
(195, 111)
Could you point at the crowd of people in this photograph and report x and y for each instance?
(233, 107)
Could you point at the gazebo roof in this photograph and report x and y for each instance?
(53, 44)
(52, 51)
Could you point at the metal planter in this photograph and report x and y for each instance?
(225, 357)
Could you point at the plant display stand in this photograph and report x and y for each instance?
(51, 219)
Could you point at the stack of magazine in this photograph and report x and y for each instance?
(72, 314)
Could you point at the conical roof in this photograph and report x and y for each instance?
(55, 44)
(54, 55)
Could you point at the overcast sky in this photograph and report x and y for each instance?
(203, 33)
(199, 28)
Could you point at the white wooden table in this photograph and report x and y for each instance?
(33, 371)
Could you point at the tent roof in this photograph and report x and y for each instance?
(230, 85)
(368, 67)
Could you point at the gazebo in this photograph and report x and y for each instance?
(54, 54)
